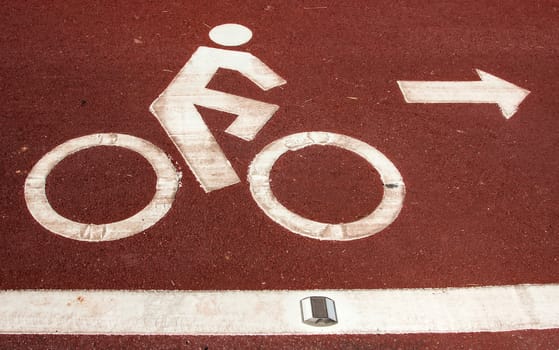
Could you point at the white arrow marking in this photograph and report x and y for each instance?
(489, 90)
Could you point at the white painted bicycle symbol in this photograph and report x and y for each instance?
(175, 109)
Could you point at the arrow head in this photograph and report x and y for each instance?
(507, 95)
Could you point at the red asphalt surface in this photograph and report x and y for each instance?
(481, 203)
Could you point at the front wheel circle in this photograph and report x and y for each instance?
(385, 213)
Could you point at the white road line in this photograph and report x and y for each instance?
(448, 310)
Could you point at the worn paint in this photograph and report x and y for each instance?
(40, 208)
(385, 213)
(489, 90)
(176, 112)
(396, 311)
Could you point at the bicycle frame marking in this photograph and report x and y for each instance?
(176, 112)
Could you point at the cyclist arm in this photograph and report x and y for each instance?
(245, 63)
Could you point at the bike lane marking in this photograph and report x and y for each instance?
(249, 297)
(395, 311)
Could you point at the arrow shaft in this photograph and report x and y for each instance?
(450, 91)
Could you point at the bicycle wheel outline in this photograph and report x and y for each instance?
(381, 217)
(166, 187)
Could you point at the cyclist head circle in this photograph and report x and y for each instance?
(230, 34)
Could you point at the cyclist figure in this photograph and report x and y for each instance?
(175, 110)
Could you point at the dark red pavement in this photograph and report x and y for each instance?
(525, 340)
(481, 203)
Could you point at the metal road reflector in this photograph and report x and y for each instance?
(319, 311)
